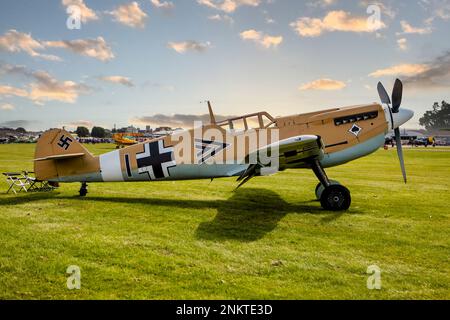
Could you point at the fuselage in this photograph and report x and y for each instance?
(222, 149)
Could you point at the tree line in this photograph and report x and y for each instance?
(96, 132)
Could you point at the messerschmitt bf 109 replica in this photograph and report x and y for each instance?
(247, 146)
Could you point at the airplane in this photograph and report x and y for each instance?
(125, 139)
(315, 141)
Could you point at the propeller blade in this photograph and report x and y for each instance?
(397, 94)
(384, 97)
(398, 142)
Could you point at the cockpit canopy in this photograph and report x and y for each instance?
(259, 120)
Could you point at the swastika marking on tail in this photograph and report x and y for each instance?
(64, 142)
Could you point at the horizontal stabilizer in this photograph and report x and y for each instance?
(61, 156)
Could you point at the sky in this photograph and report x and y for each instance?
(154, 62)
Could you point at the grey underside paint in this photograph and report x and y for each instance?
(352, 153)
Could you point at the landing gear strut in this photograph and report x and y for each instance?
(332, 195)
(83, 190)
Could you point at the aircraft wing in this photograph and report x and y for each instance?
(293, 152)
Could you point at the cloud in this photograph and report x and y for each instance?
(14, 41)
(47, 88)
(385, 9)
(435, 76)
(94, 48)
(43, 87)
(16, 123)
(224, 18)
(401, 70)
(228, 5)
(265, 40)
(408, 29)
(333, 21)
(176, 120)
(130, 15)
(87, 14)
(7, 107)
(191, 45)
(163, 4)
(437, 9)
(323, 84)
(118, 79)
(79, 123)
(321, 3)
(402, 44)
(8, 91)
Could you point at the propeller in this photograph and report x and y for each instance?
(396, 98)
(397, 93)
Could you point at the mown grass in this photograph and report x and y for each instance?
(201, 240)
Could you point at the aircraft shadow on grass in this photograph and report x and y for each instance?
(248, 215)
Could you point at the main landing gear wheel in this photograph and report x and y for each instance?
(83, 190)
(335, 198)
(332, 195)
(320, 187)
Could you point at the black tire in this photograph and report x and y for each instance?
(320, 188)
(317, 190)
(336, 198)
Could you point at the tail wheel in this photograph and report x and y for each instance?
(335, 198)
(83, 190)
(320, 187)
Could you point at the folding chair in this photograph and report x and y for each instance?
(14, 181)
(30, 181)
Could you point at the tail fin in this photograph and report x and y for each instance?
(54, 147)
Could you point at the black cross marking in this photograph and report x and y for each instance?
(152, 161)
(64, 142)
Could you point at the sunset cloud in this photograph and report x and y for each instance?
(162, 4)
(402, 44)
(119, 80)
(79, 123)
(184, 46)
(333, 21)
(408, 29)
(7, 107)
(228, 5)
(14, 41)
(47, 88)
(130, 15)
(94, 48)
(400, 70)
(224, 18)
(87, 14)
(8, 91)
(435, 76)
(265, 40)
(43, 86)
(323, 84)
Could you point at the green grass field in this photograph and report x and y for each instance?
(201, 240)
